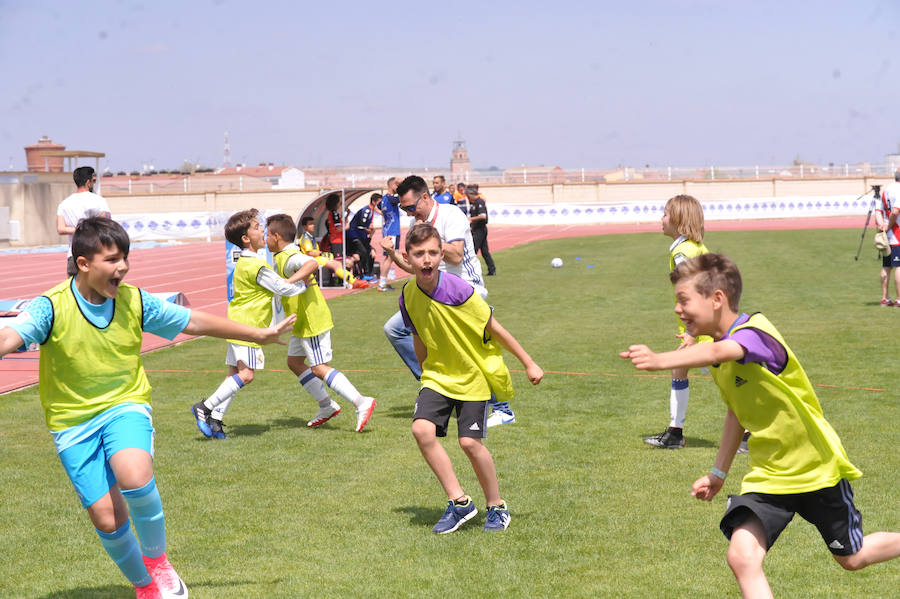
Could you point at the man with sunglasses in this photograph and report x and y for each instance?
(459, 259)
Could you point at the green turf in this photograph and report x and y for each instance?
(280, 510)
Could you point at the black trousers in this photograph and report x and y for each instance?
(362, 247)
(479, 239)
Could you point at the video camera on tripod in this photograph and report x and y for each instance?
(876, 195)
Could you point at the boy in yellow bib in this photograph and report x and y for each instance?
(456, 343)
(254, 285)
(96, 396)
(311, 339)
(797, 462)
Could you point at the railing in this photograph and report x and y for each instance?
(333, 178)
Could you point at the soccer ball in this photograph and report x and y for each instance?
(556, 263)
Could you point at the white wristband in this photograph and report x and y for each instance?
(718, 473)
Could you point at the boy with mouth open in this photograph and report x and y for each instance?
(457, 343)
(797, 462)
(96, 396)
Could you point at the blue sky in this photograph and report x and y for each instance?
(575, 84)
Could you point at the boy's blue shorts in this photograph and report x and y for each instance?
(90, 445)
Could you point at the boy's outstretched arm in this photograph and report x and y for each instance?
(204, 323)
(308, 268)
(509, 343)
(694, 356)
(10, 341)
(708, 485)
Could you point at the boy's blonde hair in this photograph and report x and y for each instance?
(238, 224)
(711, 272)
(686, 217)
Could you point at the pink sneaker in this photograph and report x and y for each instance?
(887, 302)
(151, 591)
(169, 584)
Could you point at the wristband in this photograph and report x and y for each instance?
(718, 473)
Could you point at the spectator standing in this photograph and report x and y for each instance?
(886, 221)
(460, 193)
(478, 219)
(390, 229)
(441, 195)
(82, 204)
(359, 237)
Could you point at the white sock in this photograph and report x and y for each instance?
(314, 387)
(226, 391)
(219, 411)
(337, 381)
(678, 402)
(382, 281)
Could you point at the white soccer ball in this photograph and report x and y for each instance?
(556, 263)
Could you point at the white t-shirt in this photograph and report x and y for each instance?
(81, 205)
(453, 225)
(890, 199)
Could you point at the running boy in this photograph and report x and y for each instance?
(682, 221)
(310, 247)
(96, 396)
(254, 284)
(454, 335)
(312, 331)
(797, 462)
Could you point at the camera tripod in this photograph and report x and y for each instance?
(876, 193)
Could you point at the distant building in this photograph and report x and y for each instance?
(534, 174)
(37, 161)
(280, 177)
(893, 161)
(459, 162)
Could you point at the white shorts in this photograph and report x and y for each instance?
(316, 349)
(252, 357)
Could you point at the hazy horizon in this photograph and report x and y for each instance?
(574, 84)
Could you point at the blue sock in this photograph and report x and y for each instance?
(147, 513)
(122, 547)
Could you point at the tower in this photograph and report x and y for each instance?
(226, 160)
(459, 162)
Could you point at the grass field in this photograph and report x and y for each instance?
(279, 510)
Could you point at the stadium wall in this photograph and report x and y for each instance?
(198, 214)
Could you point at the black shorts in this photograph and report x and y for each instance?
(892, 260)
(471, 416)
(831, 510)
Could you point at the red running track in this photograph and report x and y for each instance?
(198, 270)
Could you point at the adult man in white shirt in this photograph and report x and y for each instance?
(78, 206)
(459, 259)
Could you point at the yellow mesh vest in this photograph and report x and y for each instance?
(85, 370)
(688, 249)
(313, 314)
(252, 303)
(793, 449)
(461, 363)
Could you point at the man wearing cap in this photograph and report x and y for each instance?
(478, 218)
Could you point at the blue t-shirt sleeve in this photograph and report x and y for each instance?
(33, 324)
(163, 318)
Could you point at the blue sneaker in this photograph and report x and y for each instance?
(201, 414)
(215, 427)
(455, 516)
(497, 518)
